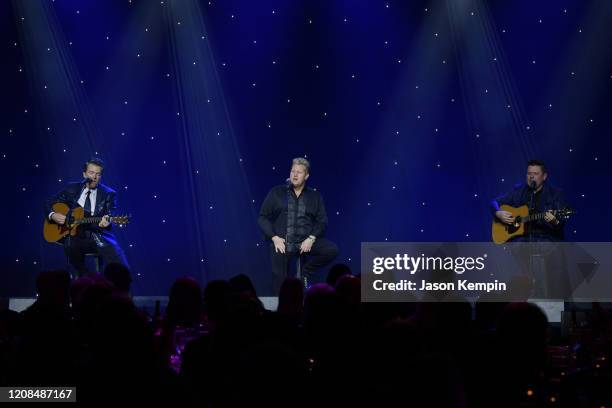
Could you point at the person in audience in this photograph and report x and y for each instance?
(291, 299)
(184, 303)
(243, 286)
(336, 272)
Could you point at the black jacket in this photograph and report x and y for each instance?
(106, 203)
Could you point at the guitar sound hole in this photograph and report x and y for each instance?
(515, 226)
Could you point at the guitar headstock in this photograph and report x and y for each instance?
(564, 212)
(121, 220)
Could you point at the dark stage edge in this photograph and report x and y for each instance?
(146, 303)
(552, 309)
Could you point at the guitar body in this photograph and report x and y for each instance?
(503, 232)
(54, 232)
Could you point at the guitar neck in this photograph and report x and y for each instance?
(534, 217)
(91, 220)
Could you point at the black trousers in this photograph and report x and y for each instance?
(76, 248)
(323, 251)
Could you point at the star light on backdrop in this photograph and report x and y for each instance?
(58, 99)
(410, 118)
(413, 114)
(494, 109)
(210, 152)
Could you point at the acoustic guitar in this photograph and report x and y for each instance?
(503, 232)
(53, 232)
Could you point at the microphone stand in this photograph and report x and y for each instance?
(532, 188)
(68, 244)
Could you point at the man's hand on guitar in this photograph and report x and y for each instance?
(549, 217)
(279, 244)
(58, 218)
(104, 222)
(505, 217)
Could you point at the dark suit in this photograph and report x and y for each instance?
(91, 238)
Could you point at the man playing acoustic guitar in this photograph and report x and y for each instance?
(542, 199)
(97, 200)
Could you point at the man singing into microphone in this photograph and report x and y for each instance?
(540, 196)
(293, 217)
(97, 200)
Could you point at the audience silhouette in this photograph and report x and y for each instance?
(218, 346)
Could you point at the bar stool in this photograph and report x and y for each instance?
(97, 259)
(298, 274)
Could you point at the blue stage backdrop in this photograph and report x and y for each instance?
(414, 114)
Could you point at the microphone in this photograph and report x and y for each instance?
(532, 184)
(85, 183)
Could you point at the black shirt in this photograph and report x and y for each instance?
(536, 227)
(293, 218)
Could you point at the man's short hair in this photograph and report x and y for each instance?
(536, 162)
(95, 161)
(303, 162)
